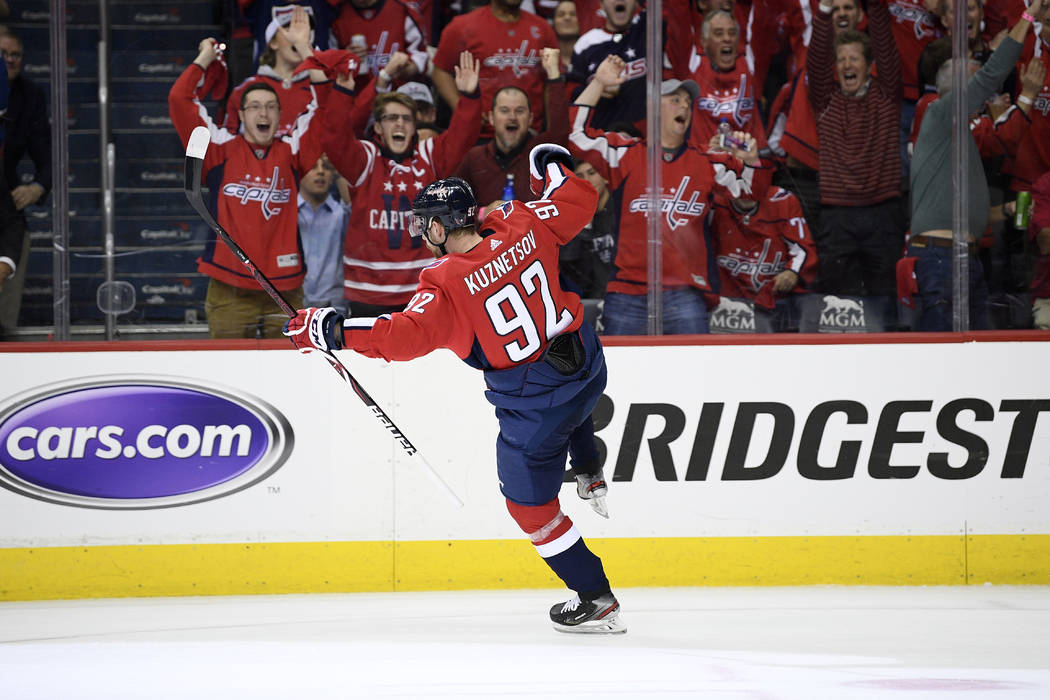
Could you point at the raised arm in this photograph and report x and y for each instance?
(883, 45)
(820, 60)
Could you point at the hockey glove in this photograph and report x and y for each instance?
(315, 329)
(539, 158)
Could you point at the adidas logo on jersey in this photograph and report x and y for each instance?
(495, 243)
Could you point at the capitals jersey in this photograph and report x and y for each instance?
(295, 96)
(913, 28)
(509, 53)
(689, 178)
(1033, 154)
(730, 96)
(388, 26)
(498, 305)
(752, 249)
(382, 260)
(252, 191)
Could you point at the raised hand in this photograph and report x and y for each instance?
(610, 71)
(466, 77)
(207, 52)
(298, 31)
(550, 59)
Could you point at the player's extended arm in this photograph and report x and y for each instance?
(566, 202)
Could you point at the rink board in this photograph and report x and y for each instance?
(883, 461)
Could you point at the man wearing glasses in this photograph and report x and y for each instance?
(253, 187)
(382, 260)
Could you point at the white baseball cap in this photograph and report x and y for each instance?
(418, 92)
(282, 17)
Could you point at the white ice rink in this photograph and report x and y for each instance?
(966, 642)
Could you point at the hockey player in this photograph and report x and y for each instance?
(382, 261)
(493, 297)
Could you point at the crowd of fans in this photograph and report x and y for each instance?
(806, 170)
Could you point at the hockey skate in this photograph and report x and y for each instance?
(592, 488)
(598, 616)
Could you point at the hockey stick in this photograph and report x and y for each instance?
(195, 151)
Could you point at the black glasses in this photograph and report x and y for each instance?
(392, 118)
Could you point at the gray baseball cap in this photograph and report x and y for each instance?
(669, 86)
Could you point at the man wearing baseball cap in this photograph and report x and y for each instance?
(689, 179)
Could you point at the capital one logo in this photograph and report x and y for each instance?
(265, 195)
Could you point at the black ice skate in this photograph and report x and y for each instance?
(598, 616)
(592, 488)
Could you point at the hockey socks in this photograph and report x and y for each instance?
(559, 543)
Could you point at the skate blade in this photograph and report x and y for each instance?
(598, 504)
(614, 624)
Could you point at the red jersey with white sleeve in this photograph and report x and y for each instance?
(913, 28)
(382, 260)
(509, 53)
(1033, 153)
(499, 304)
(729, 95)
(253, 191)
(751, 249)
(688, 181)
(295, 95)
(388, 26)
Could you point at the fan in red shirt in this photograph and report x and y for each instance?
(727, 86)
(253, 188)
(382, 260)
(763, 248)
(277, 66)
(376, 29)
(689, 178)
(1033, 154)
(508, 42)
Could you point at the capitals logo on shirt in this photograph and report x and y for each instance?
(753, 267)
(677, 210)
(519, 60)
(920, 18)
(380, 56)
(266, 192)
(737, 104)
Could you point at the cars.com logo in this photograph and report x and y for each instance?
(138, 442)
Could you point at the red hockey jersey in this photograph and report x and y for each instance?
(689, 180)
(382, 260)
(295, 95)
(730, 96)
(752, 249)
(252, 192)
(498, 304)
(387, 27)
(509, 54)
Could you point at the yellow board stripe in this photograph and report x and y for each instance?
(326, 567)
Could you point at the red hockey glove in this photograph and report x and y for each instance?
(542, 156)
(315, 329)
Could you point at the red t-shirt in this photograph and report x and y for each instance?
(509, 53)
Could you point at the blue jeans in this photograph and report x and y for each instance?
(933, 273)
(685, 312)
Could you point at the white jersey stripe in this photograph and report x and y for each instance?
(388, 288)
(404, 265)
